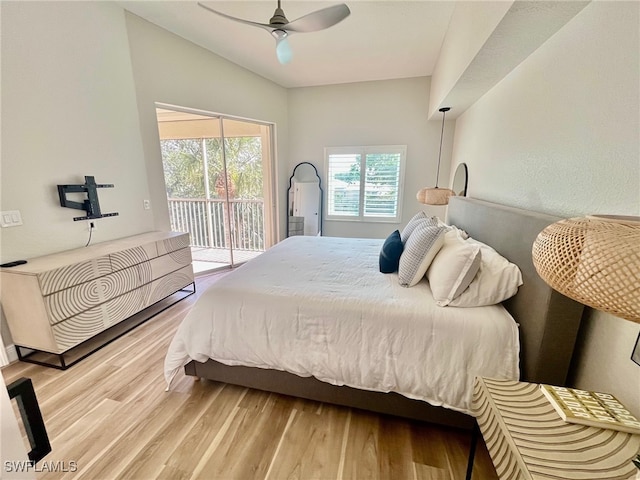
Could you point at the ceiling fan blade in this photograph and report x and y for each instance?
(318, 20)
(266, 26)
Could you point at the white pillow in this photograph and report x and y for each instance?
(453, 268)
(461, 233)
(417, 219)
(421, 248)
(496, 280)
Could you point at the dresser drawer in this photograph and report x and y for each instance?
(60, 278)
(89, 323)
(165, 264)
(132, 302)
(77, 329)
(172, 244)
(165, 286)
(72, 301)
(133, 256)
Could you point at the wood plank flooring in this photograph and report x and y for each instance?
(111, 416)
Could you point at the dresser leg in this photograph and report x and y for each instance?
(472, 450)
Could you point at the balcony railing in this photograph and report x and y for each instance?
(206, 221)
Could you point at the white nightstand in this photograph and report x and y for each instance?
(528, 440)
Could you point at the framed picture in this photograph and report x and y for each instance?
(635, 355)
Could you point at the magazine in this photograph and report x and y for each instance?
(591, 408)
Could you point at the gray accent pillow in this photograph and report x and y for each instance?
(417, 219)
(419, 251)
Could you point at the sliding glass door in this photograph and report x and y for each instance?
(217, 173)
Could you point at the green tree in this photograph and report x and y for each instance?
(378, 168)
(184, 168)
(244, 165)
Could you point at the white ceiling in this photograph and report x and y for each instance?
(380, 39)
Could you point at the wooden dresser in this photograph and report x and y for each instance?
(55, 302)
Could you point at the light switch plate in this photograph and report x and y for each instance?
(10, 218)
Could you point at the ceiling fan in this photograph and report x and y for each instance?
(280, 28)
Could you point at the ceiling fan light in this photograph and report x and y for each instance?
(283, 49)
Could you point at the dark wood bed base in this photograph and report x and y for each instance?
(548, 323)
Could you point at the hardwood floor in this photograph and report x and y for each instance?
(110, 415)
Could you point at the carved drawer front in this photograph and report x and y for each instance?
(161, 266)
(89, 323)
(77, 329)
(125, 306)
(133, 256)
(72, 301)
(148, 294)
(165, 286)
(70, 275)
(172, 244)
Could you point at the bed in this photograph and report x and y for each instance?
(314, 318)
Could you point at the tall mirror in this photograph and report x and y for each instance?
(460, 180)
(305, 201)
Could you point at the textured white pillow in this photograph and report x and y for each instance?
(417, 219)
(453, 268)
(496, 280)
(461, 233)
(421, 248)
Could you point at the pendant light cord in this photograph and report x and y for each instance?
(444, 113)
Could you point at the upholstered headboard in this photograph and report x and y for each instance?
(548, 321)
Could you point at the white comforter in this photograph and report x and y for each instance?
(318, 306)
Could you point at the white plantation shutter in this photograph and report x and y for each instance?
(382, 185)
(364, 183)
(344, 184)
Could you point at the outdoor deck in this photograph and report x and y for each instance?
(211, 259)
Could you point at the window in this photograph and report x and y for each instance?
(365, 183)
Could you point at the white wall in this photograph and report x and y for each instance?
(171, 70)
(560, 135)
(68, 110)
(391, 112)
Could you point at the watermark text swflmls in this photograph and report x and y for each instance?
(57, 466)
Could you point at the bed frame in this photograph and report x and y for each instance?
(548, 323)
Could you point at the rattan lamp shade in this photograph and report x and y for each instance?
(434, 196)
(594, 260)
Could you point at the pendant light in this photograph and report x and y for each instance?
(435, 195)
(594, 260)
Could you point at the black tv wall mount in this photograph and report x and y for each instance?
(91, 205)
